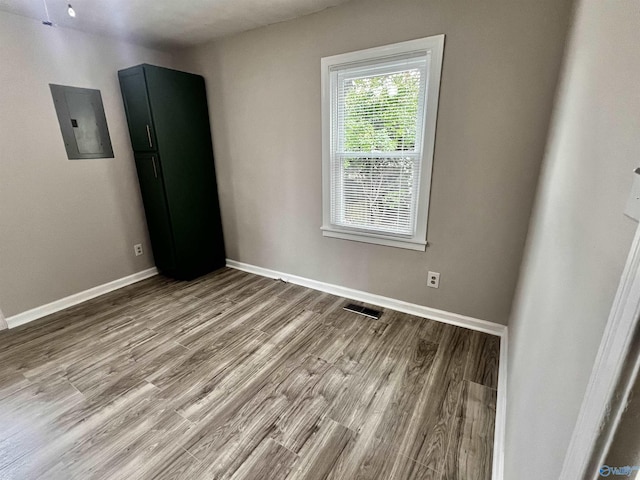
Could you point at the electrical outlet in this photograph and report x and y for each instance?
(137, 248)
(433, 279)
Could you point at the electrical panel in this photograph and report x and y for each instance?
(82, 122)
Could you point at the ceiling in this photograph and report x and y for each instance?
(167, 23)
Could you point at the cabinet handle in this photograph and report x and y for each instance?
(149, 136)
(155, 172)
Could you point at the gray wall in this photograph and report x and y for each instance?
(579, 237)
(501, 63)
(65, 226)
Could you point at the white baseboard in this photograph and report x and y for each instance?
(71, 300)
(386, 302)
(420, 311)
(500, 431)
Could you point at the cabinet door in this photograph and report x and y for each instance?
(157, 213)
(179, 104)
(136, 102)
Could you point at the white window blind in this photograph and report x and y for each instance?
(379, 108)
(377, 144)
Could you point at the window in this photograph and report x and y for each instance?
(379, 109)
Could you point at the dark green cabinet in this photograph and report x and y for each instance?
(170, 133)
(134, 91)
(156, 209)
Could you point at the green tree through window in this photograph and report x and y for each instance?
(381, 121)
(381, 113)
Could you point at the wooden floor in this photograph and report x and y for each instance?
(236, 376)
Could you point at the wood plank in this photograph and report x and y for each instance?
(238, 376)
(82, 458)
(324, 302)
(470, 450)
(382, 372)
(178, 464)
(269, 461)
(151, 448)
(362, 346)
(371, 456)
(225, 441)
(484, 354)
(11, 382)
(323, 451)
(433, 416)
(266, 366)
(299, 422)
(76, 426)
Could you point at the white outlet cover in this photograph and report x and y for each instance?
(633, 203)
(433, 279)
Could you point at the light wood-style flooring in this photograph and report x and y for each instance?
(236, 376)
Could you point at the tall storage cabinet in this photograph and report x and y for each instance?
(168, 122)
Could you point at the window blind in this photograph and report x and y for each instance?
(377, 115)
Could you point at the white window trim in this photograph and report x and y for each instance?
(434, 45)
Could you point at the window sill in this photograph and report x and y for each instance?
(388, 241)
